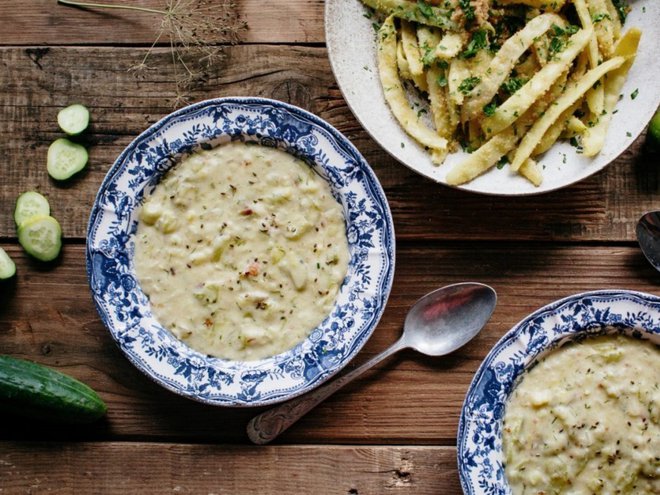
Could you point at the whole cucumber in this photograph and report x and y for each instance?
(33, 390)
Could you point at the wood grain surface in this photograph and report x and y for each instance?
(604, 207)
(159, 468)
(44, 22)
(408, 399)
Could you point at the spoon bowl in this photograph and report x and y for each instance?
(648, 236)
(438, 323)
(447, 318)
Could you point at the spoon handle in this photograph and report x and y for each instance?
(268, 425)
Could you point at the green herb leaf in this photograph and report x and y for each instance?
(489, 110)
(468, 10)
(556, 45)
(479, 41)
(622, 8)
(469, 84)
(429, 55)
(599, 17)
(570, 29)
(425, 9)
(503, 161)
(513, 84)
(558, 30)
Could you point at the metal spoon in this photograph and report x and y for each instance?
(437, 324)
(648, 236)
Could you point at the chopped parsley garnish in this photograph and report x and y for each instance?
(503, 161)
(599, 17)
(575, 142)
(469, 84)
(468, 10)
(570, 29)
(556, 45)
(489, 110)
(479, 41)
(559, 41)
(425, 9)
(634, 94)
(442, 80)
(622, 8)
(429, 54)
(513, 84)
(467, 147)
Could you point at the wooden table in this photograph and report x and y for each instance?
(392, 431)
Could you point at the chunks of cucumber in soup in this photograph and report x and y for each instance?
(7, 266)
(65, 159)
(41, 237)
(30, 204)
(73, 119)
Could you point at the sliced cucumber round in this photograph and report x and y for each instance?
(41, 237)
(65, 159)
(73, 119)
(7, 266)
(30, 204)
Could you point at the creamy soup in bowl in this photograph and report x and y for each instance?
(566, 402)
(239, 347)
(586, 419)
(241, 250)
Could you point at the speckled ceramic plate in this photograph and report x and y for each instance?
(480, 457)
(125, 309)
(351, 42)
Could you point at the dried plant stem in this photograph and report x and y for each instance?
(195, 29)
(111, 6)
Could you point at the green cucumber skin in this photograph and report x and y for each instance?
(33, 390)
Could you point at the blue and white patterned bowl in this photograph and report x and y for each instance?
(480, 457)
(125, 309)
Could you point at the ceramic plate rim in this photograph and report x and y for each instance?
(384, 129)
(619, 298)
(384, 235)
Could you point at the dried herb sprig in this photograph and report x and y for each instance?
(196, 30)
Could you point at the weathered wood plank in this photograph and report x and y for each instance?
(43, 22)
(39, 82)
(46, 314)
(219, 469)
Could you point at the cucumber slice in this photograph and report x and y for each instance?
(41, 237)
(30, 204)
(7, 266)
(65, 159)
(73, 119)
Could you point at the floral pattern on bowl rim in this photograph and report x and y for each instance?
(125, 309)
(479, 442)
